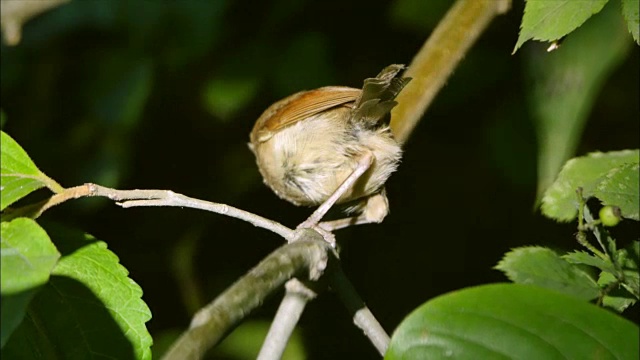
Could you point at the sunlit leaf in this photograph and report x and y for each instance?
(28, 255)
(565, 84)
(543, 267)
(617, 297)
(560, 201)
(630, 12)
(19, 176)
(620, 187)
(584, 258)
(89, 297)
(549, 20)
(27, 258)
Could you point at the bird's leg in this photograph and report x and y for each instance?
(375, 210)
(364, 163)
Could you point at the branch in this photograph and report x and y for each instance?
(16, 13)
(296, 297)
(134, 198)
(307, 249)
(210, 324)
(437, 58)
(362, 316)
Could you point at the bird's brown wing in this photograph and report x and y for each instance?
(300, 106)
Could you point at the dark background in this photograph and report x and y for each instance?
(163, 94)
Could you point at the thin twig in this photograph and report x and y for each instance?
(438, 57)
(296, 297)
(134, 198)
(212, 322)
(362, 316)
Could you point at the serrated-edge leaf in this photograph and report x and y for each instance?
(14, 158)
(511, 321)
(90, 308)
(629, 279)
(630, 13)
(27, 258)
(621, 187)
(565, 85)
(19, 176)
(617, 298)
(627, 260)
(550, 20)
(632, 283)
(560, 201)
(28, 255)
(14, 309)
(584, 258)
(617, 303)
(99, 269)
(542, 267)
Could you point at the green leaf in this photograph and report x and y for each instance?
(89, 297)
(19, 176)
(632, 283)
(511, 321)
(13, 308)
(27, 258)
(542, 267)
(565, 84)
(28, 255)
(617, 298)
(584, 258)
(620, 187)
(630, 13)
(628, 260)
(550, 20)
(560, 201)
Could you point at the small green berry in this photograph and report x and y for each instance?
(610, 215)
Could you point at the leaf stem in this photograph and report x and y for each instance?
(51, 184)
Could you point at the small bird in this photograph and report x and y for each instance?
(309, 144)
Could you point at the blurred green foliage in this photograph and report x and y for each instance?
(157, 94)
